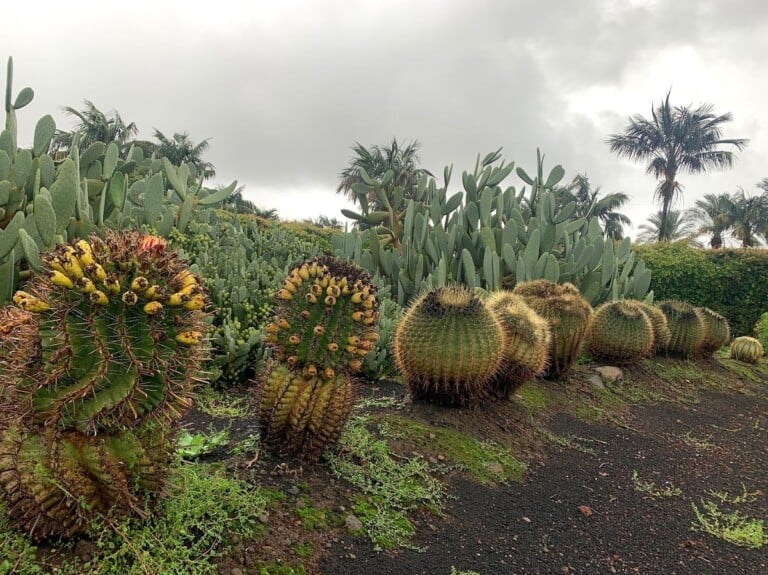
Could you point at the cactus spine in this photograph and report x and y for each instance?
(568, 314)
(99, 365)
(686, 327)
(661, 333)
(324, 326)
(620, 332)
(747, 349)
(527, 341)
(448, 346)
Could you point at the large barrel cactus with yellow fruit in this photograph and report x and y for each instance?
(324, 325)
(686, 327)
(620, 332)
(100, 363)
(526, 342)
(568, 314)
(448, 346)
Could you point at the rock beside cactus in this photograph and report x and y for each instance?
(526, 346)
(620, 332)
(568, 314)
(448, 346)
(686, 327)
(747, 349)
(717, 332)
(661, 333)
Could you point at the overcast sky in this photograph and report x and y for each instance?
(284, 88)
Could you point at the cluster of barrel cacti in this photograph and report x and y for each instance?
(324, 325)
(97, 363)
(455, 347)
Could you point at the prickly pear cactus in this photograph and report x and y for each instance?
(96, 365)
(527, 341)
(568, 314)
(120, 325)
(686, 327)
(620, 332)
(324, 325)
(747, 349)
(717, 332)
(449, 346)
(661, 333)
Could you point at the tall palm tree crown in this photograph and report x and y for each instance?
(679, 226)
(180, 149)
(94, 126)
(675, 139)
(714, 216)
(589, 203)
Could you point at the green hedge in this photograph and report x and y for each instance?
(733, 282)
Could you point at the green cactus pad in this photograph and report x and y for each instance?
(620, 332)
(686, 327)
(326, 317)
(448, 346)
(527, 341)
(747, 349)
(568, 314)
(661, 333)
(717, 332)
(303, 415)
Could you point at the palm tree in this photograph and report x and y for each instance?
(94, 126)
(679, 226)
(376, 161)
(238, 204)
(675, 139)
(750, 218)
(714, 215)
(180, 149)
(589, 203)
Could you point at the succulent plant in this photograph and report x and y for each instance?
(620, 332)
(324, 325)
(526, 346)
(661, 333)
(568, 314)
(449, 346)
(747, 349)
(96, 366)
(717, 332)
(686, 327)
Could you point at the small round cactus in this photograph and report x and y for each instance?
(526, 346)
(661, 333)
(717, 332)
(620, 332)
(324, 325)
(686, 327)
(448, 346)
(746, 349)
(568, 314)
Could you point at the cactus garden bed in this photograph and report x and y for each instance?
(661, 472)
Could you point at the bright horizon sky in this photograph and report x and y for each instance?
(284, 89)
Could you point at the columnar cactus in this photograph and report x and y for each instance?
(620, 332)
(526, 346)
(324, 325)
(747, 349)
(686, 327)
(661, 333)
(568, 314)
(717, 332)
(449, 346)
(100, 362)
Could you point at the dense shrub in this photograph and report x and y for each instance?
(733, 282)
(761, 329)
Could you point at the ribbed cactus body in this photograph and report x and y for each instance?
(448, 346)
(526, 346)
(568, 314)
(661, 333)
(324, 325)
(99, 364)
(302, 415)
(686, 327)
(55, 484)
(747, 349)
(620, 332)
(717, 332)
